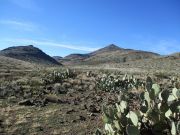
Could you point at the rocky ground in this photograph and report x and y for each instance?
(31, 103)
(28, 106)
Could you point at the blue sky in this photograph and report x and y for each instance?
(61, 27)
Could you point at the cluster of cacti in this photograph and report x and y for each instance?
(116, 83)
(57, 76)
(159, 113)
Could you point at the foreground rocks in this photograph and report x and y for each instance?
(26, 102)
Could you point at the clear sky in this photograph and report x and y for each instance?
(61, 27)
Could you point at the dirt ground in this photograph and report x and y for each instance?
(76, 110)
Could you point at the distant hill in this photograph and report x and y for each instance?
(29, 54)
(176, 55)
(108, 54)
(57, 58)
(77, 56)
(74, 59)
(163, 63)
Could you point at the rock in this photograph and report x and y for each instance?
(76, 87)
(81, 118)
(76, 101)
(66, 85)
(99, 98)
(26, 102)
(70, 111)
(83, 107)
(12, 99)
(52, 99)
(59, 89)
(91, 87)
(2, 93)
(39, 102)
(55, 99)
(85, 87)
(93, 109)
(92, 115)
(73, 121)
(71, 81)
(70, 91)
(79, 82)
(49, 88)
(89, 73)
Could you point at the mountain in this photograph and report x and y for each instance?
(108, 54)
(77, 56)
(57, 58)
(73, 59)
(176, 55)
(109, 48)
(29, 54)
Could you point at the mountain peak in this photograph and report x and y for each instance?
(29, 53)
(22, 48)
(112, 46)
(109, 48)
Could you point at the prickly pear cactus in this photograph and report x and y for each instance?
(57, 76)
(116, 83)
(159, 113)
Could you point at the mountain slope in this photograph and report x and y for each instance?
(7, 63)
(108, 54)
(119, 57)
(167, 64)
(30, 54)
(176, 55)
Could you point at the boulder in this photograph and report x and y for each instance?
(26, 102)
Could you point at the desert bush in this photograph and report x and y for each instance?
(161, 75)
(10, 89)
(35, 81)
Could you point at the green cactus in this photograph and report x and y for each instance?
(57, 76)
(132, 130)
(115, 83)
(159, 111)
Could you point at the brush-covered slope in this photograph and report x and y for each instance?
(30, 54)
(164, 63)
(7, 63)
(108, 54)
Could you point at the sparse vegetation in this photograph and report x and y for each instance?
(70, 99)
(37, 99)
